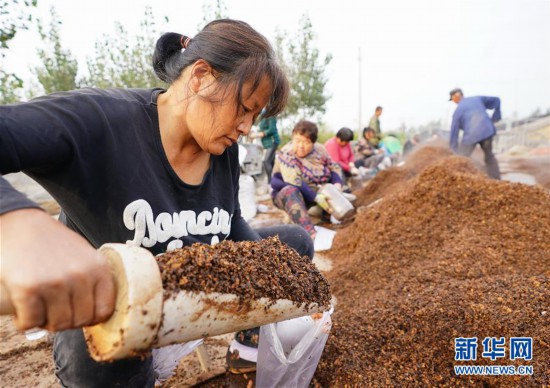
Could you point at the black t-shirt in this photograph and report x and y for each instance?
(99, 154)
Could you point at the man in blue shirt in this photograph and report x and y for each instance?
(471, 117)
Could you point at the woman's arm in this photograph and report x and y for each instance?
(55, 278)
(277, 183)
(241, 231)
(333, 150)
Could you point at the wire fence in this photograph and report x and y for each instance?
(530, 134)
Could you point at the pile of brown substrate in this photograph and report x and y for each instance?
(452, 254)
(395, 178)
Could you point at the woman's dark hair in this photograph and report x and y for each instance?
(307, 129)
(237, 54)
(345, 134)
(368, 129)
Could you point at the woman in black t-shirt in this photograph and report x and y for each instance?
(110, 156)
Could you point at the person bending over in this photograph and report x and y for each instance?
(146, 167)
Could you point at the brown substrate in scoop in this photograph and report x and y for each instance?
(452, 254)
(250, 270)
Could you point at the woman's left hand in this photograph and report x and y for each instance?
(338, 186)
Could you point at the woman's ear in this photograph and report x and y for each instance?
(201, 76)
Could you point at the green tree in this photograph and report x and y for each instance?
(10, 86)
(15, 16)
(58, 70)
(125, 61)
(305, 67)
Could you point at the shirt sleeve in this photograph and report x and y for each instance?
(307, 192)
(241, 231)
(493, 103)
(277, 183)
(270, 129)
(11, 199)
(455, 127)
(40, 136)
(331, 164)
(335, 178)
(34, 135)
(332, 149)
(351, 157)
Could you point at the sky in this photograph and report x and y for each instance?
(412, 52)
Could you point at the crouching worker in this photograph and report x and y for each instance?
(339, 149)
(300, 168)
(369, 155)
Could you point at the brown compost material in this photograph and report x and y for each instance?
(395, 178)
(452, 254)
(250, 270)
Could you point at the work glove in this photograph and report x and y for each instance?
(321, 200)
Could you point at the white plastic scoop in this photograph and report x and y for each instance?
(143, 320)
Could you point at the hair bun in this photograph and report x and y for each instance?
(168, 45)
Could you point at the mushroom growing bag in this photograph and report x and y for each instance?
(289, 351)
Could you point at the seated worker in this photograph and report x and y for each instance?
(369, 155)
(410, 145)
(392, 147)
(340, 151)
(300, 167)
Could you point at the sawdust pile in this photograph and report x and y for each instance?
(452, 254)
(395, 178)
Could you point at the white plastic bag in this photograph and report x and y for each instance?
(291, 362)
(166, 359)
(247, 197)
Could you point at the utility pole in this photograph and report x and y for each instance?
(359, 120)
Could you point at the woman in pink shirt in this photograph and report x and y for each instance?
(340, 151)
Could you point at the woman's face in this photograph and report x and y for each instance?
(341, 143)
(301, 145)
(214, 120)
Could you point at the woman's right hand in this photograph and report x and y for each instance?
(55, 278)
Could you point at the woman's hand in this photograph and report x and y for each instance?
(55, 278)
(338, 186)
(321, 200)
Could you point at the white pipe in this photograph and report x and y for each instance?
(192, 315)
(143, 320)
